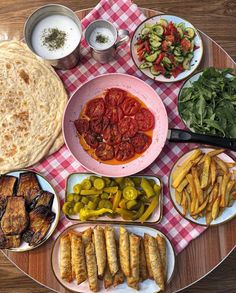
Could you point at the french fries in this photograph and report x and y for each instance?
(205, 185)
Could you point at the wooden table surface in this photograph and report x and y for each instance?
(217, 19)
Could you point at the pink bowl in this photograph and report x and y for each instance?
(92, 88)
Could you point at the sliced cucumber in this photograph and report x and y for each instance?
(152, 57)
(154, 43)
(163, 22)
(181, 33)
(186, 64)
(181, 25)
(155, 37)
(147, 24)
(192, 46)
(179, 59)
(154, 71)
(190, 56)
(189, 32)
(177, 51)
(166, 60)
(145, 31)
(158, 29)
(145, 65)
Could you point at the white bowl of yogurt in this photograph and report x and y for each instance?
(54, 32)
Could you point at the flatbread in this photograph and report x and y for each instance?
(32, 102)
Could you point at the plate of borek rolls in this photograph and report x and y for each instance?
(112, 258)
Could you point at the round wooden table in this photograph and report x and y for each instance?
(200, 257)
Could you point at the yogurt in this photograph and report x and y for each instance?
(101, 38)
(67, 28)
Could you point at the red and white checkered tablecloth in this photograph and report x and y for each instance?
(125, 15)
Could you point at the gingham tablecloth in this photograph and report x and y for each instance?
(125, 15)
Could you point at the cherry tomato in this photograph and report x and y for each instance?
(165, 46)
(160, 68)
(114, 114)
(112, 135)
(104, 151)
(141, 142)
(160, 57)
(170, 38)
(177, 70)
(97, 125)
(130, 106)
(144, 119)
(81, 125)
(114, 97)
(92, 139)
(128, 127)
(124, 151)
(95, 108)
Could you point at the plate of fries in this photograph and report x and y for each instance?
(202, 186)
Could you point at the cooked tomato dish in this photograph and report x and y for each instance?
(115, 127)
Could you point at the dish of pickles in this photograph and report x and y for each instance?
(132, 199)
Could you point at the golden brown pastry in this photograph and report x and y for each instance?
(78, 258)
(161, 243)
(155, 261)
(87, 236)
(100, 249)
(119, 277)
(65, 258)
(142, 263)
(124, 251)
(91, 267)
(149, 269)
(111, 250)
(107, 279)
(133, 280)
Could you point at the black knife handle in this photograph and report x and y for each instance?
(178, 135)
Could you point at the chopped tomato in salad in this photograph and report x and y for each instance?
(166, 48)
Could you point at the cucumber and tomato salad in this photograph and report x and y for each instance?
(166, 48)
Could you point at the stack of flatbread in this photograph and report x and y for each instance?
(32, 102)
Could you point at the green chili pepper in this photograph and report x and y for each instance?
(116, 200)
(112, 189)
(150, 209)
(146, 186)
(85, 214)
(125, 214)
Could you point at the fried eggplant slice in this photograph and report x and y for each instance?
(65, 258)
(124, 252)
(15, 218)
(91, 267)
(13, 241)
(78, 257)
(3, 240)
(45, 199)
(133, 280)
(28, 186)
(111, 250)
(41, 219)
(7, 188)
(155, 262)
(100, 249)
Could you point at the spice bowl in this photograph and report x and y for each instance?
(53, 32)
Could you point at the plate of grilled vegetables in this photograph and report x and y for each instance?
(112, 258)
(29, 210)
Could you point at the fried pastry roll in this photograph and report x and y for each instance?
(119, 276)
(87, 236)
(143, 273)
(133, 280)
(149, 269)
(100, 249)
(78, 258)
(65, 258)
(124, 253)
(91, 267)
(111, 249)
(155, 261)
(107, 279)
(161, 243)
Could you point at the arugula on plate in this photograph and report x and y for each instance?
(209, 105)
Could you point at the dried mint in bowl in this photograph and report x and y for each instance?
(208, 106)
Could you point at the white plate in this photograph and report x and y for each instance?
(45, 185)
(148, 286)
(197, 53)
(76, 178)
(227, 214)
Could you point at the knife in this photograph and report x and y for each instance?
(178, 135)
